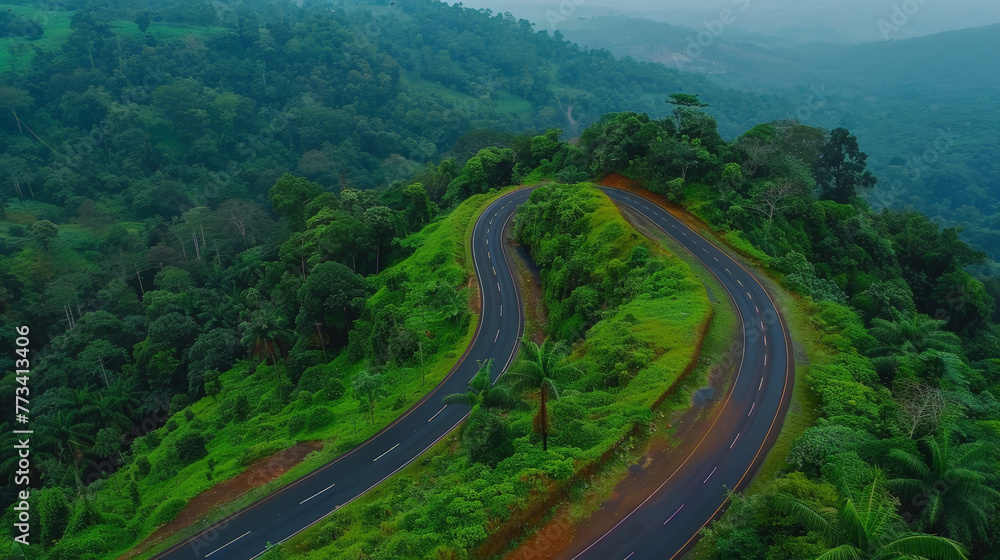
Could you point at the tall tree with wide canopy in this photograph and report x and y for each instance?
(290, 196)
(840, 169)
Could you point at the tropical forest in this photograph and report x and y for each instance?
(417, 280)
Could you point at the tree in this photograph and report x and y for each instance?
(44, 231)
(217, 349)
(290, 196)
(379, 221)
(101, 353)
(921, 407)
(947, 487)
(486, 437)
(483, 392)
(64, 436)
(840, 169)
(418, 206)
(369, 387)
(540, 367)
(913, 334)
(773, 198)
(866, 527)
(245, 218)
(328, 296)
(682, 101)
(263, 334)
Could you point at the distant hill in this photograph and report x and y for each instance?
(924, 109)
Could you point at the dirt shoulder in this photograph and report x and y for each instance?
(257, 474)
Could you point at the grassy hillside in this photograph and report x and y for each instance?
(450, 505)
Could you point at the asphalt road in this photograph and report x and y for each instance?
(666, 524)
(663, 525)
(291, 510)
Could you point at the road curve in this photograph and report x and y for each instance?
(667, 522)
(285, 513)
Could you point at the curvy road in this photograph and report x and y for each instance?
(664, 525)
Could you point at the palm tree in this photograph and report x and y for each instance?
(866, 527)
(219, 315)
(540, 367)
(66, 435)
(483, 391)
(912, 335)
(108, 410)
(263, 334)
(952, 483)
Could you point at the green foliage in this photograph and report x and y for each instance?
(190, 447)
(167, 511)
(54, 514)
(486, 437)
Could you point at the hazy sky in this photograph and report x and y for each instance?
(846, 20)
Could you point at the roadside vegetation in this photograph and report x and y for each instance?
(907, 348)
(515, 456)
(232, 239)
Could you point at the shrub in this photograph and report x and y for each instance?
(190, 447)
(167, 511)
(319, 417)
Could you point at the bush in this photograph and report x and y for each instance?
(167, 511)
(319, 417)
(261, 450)
(143, 466)
(190, 447)
(297, 423)
(487, 438)
(79, 548)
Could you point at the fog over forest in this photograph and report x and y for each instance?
(811, 20)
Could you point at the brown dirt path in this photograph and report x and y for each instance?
(257, 474)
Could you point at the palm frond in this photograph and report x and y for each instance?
(842, 552)
(805, 515)
(927, 546)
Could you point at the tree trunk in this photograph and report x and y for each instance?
(104, 372)
(545, 423)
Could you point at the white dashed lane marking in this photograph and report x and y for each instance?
(672, 516)
(384, 454)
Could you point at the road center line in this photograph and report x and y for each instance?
(227, 544)
(751, 409)
(709, 475)
(761, 383)
(384, 454)
(438, 412)
(495, 338)
(675, 513)
(317, 493)
(734, 441)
